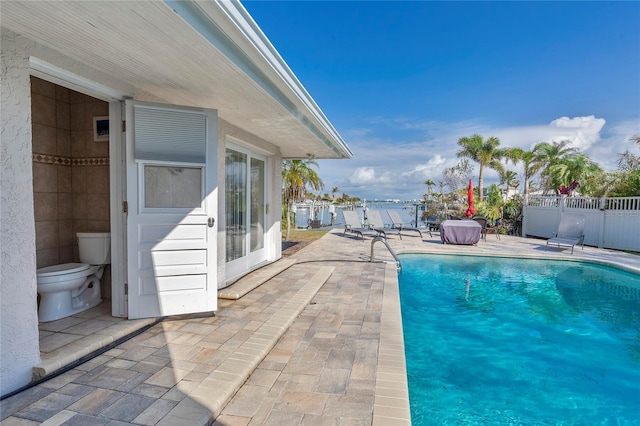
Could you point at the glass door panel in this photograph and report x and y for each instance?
(257, 204)
(172, 186)
(235, 204)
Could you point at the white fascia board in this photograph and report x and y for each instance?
(254, 34)
(200, 15)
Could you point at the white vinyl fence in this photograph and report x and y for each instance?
(610, 222)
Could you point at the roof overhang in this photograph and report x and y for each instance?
(199, 53)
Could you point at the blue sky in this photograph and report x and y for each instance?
(403, 81)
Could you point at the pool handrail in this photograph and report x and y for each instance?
(386, 244)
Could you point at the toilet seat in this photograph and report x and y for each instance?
(65, 272)
(64, 268)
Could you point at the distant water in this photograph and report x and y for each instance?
(407, 213)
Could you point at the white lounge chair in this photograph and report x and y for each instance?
(570, 231)
(352, 224)
(397, 223)
(375, 221)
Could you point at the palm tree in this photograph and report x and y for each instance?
(510, 178)
(334, 191)
(575, 168)
(486, 153)
(548, 155)
(530, 164)
(429, 184)
(297, 175)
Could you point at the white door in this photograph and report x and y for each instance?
(245, 210)
(172, 202)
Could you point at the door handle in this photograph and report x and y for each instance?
(211, 222)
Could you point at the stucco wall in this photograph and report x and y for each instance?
(19, 347)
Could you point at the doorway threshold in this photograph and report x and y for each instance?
(68, 340)
(254, 279)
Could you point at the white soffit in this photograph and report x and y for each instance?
(197, 53)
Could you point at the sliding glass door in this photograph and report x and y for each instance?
(245, 201)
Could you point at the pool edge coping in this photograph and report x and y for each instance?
(391, 403)
(573, 258)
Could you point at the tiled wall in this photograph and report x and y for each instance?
(70, 172)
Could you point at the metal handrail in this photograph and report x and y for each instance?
(393, 253)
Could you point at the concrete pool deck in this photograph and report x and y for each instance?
(319, 343)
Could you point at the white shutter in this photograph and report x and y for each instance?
(169, 135)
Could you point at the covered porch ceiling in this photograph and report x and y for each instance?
(198, 53)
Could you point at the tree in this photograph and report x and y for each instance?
(625, 182)
(456, 178)
(510, 178)
(512, 215)
(548, 155)
(486, 153)
(530, 164)
(297, 176)
(492, 207)
(575, 170)
(334, 191)
(429, 184)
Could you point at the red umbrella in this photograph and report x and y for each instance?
(470, 211)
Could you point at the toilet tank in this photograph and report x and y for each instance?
(94, 247)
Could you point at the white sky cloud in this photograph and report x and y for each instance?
(367, 176)
(583, 132)
(396, 166)
(428, 170)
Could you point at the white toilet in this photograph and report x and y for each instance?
(74, 287)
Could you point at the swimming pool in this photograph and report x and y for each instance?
(520, 341)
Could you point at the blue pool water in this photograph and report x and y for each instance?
(497, 341)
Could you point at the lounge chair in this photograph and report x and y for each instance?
(570, 231)
(483, 222)
(375, 222)
(352, 224)
(396, 222)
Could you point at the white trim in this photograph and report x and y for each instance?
(61, 77)
(117, 193)
(241, 144)
(170, 163)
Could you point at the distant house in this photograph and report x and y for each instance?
(164, 123)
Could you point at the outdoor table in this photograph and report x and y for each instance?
(460, 232)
